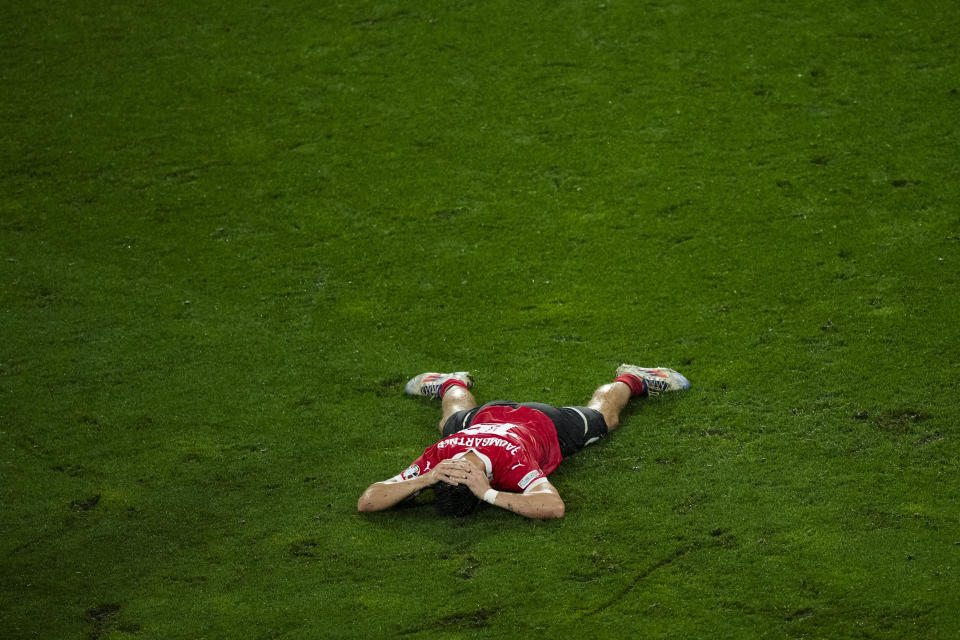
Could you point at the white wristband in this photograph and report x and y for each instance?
(490, 495)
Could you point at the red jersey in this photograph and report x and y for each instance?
(518, 445)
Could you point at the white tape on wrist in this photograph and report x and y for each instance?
(490, 496)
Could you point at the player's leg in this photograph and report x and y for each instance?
(453, 389)
(455, 398)
(610, 399)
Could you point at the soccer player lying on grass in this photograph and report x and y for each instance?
(502, 452)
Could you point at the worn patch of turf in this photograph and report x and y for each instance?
(228, 235)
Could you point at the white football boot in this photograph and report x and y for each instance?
(428, 384)
(659, 379)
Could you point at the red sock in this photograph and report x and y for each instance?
(452, 382)
(638, 386)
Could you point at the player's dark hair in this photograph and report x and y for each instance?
(454, 501)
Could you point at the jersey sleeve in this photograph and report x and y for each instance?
(520, 475)
(418, 467)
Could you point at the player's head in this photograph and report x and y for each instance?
(454, 501)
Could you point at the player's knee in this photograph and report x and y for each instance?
(612, 419)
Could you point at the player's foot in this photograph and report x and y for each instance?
(658, 380)
(429, 384)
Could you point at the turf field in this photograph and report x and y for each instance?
(229, 234)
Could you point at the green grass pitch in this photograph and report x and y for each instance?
(230, 233)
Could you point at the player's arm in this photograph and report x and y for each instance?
(383, 495)
(540, 500)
